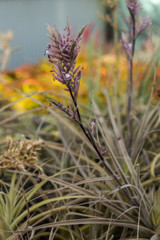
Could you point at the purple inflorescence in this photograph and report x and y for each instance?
(136, 24)
(134, 6)
(62, 52)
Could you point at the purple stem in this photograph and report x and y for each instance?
(91, 140)
(130, 85)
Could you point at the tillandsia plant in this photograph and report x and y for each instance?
(125, 187)
(62, 52)
(136, 25)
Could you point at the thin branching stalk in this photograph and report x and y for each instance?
(128, 42)
(91, 140)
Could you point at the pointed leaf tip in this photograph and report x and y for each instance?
(81, 31)
(68, 22)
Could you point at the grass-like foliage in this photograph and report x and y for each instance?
(94, 172)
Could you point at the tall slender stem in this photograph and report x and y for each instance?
(129, 106)
(130, 83)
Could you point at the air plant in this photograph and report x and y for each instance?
(62, 52)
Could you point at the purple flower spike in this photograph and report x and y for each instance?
(62, 52)
(136, 25)
(134, 6)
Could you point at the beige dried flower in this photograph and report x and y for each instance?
(105, 18)
(21, 154)
(111, 3)
(6, 49)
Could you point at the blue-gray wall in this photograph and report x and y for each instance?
(28, 19)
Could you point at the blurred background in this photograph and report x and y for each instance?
(24, 39)
(27, 20)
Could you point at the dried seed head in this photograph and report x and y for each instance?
(20, 154)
